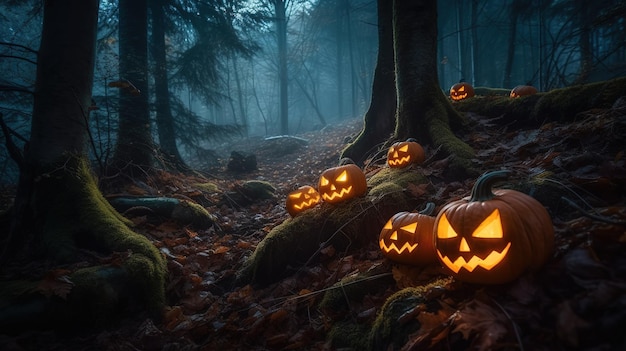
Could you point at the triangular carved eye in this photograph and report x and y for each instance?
(405, 148)
(388, 225)
(444, 229)
(342, 177)
(295, 195)
(462, 88)
(410, 227)
(311, 191)
(324, 181)
(490, 228)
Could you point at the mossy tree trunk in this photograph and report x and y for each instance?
(58, 208)
(422, 110)
(380, 117)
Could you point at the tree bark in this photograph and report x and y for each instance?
(134, 149)
(58, 209)
(379, 121)
(281, 32)
(164, 119)
(423, 112)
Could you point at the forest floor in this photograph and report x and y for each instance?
(577, 301)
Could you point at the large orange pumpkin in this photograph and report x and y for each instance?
(493, 237)
(407, 237)
(523, 90)
(404, 153)
(302, 199)
(341, 183)
(461, 90)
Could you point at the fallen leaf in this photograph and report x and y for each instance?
(56, 283)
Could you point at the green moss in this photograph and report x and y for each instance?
(78, 216)
(388, 330)
(346, 334)
(207, 187)
(188, 212)
(258, 189)
(555, 105)
(350, 224)
(399, 176)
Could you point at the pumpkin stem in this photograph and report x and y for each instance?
(428, 210)
(481, 191)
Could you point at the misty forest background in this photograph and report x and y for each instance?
(257, 68)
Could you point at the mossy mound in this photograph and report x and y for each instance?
(390, 330)
(351, 224)
(556, 105)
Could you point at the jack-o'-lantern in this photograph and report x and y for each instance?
(407, 237)
(493, 237)
(461, 90)
(404, 153)
(523, 90)
(341, 183)
(301, 199)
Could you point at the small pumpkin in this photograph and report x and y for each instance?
(461, 90)
(407, 237)
(341, 183)
(405, 153)
(493, 237)
(302, 199)
(523, 90)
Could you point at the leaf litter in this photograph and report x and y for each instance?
(577, 170)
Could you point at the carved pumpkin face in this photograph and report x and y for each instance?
(460, 91)
(301, 199)
(523, 90)
(404, 153)
(407, 238)
(341, 183)
(492, 238)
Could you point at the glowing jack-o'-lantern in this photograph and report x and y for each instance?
(404, 153)
(407, 237)
(493, 237)
(341, 183)
(461, 90)
(523, 90)
(301, 199)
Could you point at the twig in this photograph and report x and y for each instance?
(591, 215)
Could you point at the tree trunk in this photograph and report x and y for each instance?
(281, 32)
(423, 112)
(58, 208)
(510, 52)
(164, 119)
(134, 149)
(379, 119)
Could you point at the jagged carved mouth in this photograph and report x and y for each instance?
(399, 161)
(393, 246)
(487, 263)
(333, 195)
(305, 204)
